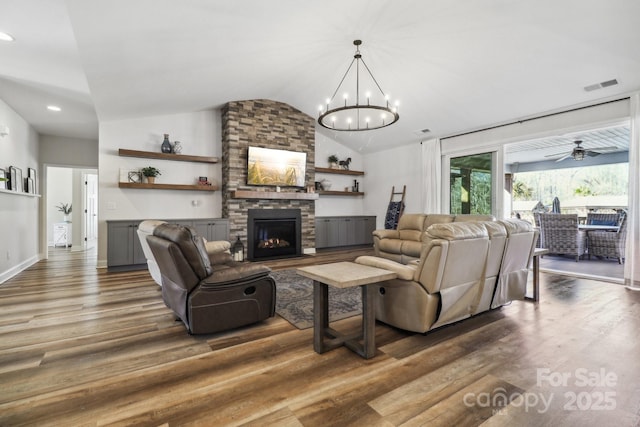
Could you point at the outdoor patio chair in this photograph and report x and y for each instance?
(609, 244)
(561, 234)
(599, 218)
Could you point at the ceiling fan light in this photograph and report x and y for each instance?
(578, 155)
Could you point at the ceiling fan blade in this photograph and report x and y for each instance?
(559, 154)
(604, 148)
(566, 156)
(591, 153)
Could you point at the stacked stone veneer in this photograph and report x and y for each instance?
(266, 124)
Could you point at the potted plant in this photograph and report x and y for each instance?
(150, 173)
(65, 208)
(333, 161)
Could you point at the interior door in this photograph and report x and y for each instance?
(91, 209)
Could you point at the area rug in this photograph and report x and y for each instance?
(294, 299)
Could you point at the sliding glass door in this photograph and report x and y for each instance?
(471, 184)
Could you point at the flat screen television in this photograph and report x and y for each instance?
(267, 166)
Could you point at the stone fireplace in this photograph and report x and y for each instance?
(267, 124)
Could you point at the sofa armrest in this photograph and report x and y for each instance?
(404, 272)
(386, 234)
(233, 273)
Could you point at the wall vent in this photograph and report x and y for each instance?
(601, 85)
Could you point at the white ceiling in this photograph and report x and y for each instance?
(454, 66)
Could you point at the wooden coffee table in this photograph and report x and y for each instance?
(344, 275)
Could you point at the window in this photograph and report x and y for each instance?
(471, 180)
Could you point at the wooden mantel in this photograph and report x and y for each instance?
(283, 195)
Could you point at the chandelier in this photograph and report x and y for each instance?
(368, 112)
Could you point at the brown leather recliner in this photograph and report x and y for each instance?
(209, 293)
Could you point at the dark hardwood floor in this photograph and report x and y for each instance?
(81, 346)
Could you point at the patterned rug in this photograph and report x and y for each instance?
(294, 299)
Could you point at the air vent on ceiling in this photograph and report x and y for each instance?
(600, 85)
(422, 131)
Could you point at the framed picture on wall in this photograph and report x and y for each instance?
(32, 174)
(13, 178)
(3, 177)
(19, 180)
(29, 185)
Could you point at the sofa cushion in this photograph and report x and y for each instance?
(411, 248)
(412, 222)
(457, 231)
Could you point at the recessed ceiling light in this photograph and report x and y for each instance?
(6, 37)
(54, 108)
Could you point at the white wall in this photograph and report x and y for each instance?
(64, 151)
(199, 133)
(395, 167)
(19, 215)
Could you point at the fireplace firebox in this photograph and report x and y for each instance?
(273, 233)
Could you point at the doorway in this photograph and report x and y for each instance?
(75, 189)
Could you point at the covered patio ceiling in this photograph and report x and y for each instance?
(541, 154)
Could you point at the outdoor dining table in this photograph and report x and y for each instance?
(592, 227)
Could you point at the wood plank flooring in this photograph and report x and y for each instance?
(81, 346)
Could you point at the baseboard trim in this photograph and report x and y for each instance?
(17, 269)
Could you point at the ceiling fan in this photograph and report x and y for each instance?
(579, 152)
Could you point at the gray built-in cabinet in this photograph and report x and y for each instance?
(123, 244)
(335, 231)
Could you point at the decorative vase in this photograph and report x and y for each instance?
(166, 145)
(151, 179)
(177, 147)
(66, 218)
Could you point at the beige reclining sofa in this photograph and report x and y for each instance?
(463, 268)
(405, 243)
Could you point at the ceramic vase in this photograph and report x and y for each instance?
(166, 145)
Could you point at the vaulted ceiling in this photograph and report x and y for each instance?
(453, 66)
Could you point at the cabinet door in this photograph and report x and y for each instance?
(120, 244)
(322, 233)
(334, 227)
(219, 230)
(348, 231)
(369, 225)
(202, 227)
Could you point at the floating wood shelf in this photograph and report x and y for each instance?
(285, 195)
(147, 186)
(338, 171)
(167, 156)
(341, 193)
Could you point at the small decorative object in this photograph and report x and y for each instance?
(237, 250)
(344, 164)
(356, 186)
(311, 189)
(203, 180)
(333, 161)
(177, 147)
(65, 208)
(325, 185)
(150, 173)
(166, 145)
(134, 176)
(3, 179)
